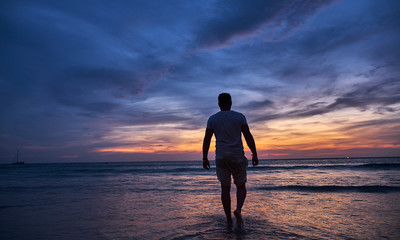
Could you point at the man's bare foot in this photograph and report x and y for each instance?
(229, 223)
(239, 220)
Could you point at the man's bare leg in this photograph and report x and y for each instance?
(226, 202)
(240, 196)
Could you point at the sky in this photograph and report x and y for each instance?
(96, 80)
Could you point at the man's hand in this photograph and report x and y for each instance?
(255, 160)
(206, 164)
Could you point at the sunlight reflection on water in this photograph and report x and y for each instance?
(277, 215)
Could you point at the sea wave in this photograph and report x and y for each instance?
(368, 166)
(197, 169)
(333, 188)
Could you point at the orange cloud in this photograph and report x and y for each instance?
(165, 138)
(320, 135)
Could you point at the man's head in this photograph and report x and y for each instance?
(225, 101)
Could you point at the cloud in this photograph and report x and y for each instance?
(237, 19)
(382, 93)
(75, 58)
(374, 123)
(85, 86)
(257, 105)
(373, 94)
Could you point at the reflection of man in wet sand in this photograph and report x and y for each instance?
(227, 126)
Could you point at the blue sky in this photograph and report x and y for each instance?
(137, 80)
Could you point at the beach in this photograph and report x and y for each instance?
(286, 199)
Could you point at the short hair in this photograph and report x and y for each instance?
(224, 100)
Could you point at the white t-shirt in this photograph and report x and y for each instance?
(227, 127)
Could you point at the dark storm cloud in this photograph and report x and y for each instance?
(239, 19)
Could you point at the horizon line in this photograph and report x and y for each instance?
(156, 161)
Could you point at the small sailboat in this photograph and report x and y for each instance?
(16, 159)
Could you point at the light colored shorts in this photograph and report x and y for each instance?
(235, 165)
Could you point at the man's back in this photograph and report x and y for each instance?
(227, 126)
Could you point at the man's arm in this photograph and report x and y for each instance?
(206, 147)
(250, 142)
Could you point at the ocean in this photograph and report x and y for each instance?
(286, 199)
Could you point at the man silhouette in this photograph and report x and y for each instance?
(227, 125)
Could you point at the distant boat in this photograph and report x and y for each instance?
(16, 159)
